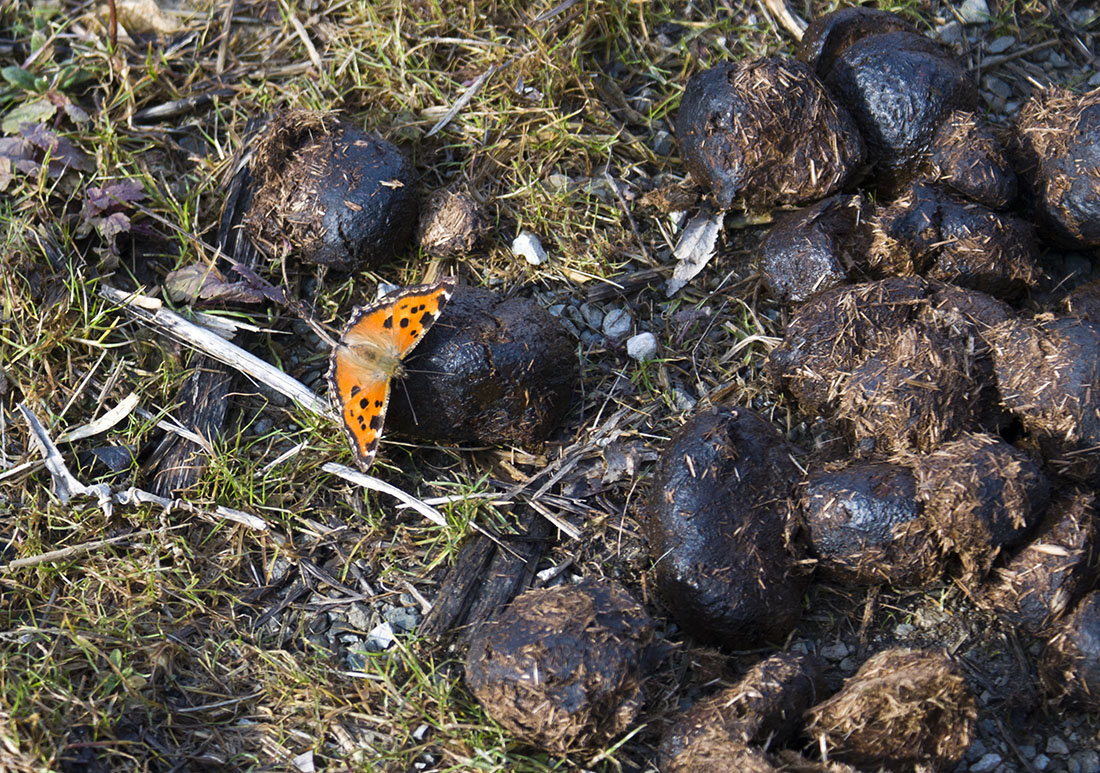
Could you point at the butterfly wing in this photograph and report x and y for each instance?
(362, 395)
(377, 337)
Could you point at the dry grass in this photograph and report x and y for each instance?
(190, 643)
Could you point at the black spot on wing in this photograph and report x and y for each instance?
(426, 319)
(404, 322)
(363, 402)
(355, 390)
(388, 323)
(376, 422)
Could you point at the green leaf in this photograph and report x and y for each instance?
(18, 77)
(30, 112)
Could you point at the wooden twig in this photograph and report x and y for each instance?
(66, 486)
(112, 417)
(152, 312)
(70, 552)
(463, 100)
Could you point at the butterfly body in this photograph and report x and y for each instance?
(370, 354)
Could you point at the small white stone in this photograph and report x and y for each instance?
(837, 651)
(1041, 762)
(528, 247)
(1056, 745)
(385, 288)
(974, 11)
(986, 763)
(642, 346)
(380, 638)
(951, 34)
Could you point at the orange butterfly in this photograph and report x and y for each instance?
(369, 356)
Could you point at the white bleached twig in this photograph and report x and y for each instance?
(112, 417)
(152, 312)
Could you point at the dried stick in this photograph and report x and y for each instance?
(152, 312)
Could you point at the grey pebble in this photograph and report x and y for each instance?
(976, 750)
(1087, 761)
(997, 86)
(682, 400)
(592, 316)
(1056, 745)
(974, 11)
(402, 618)
(617, 324)
(951, 34)
(1001, 44)
(662, 143)
(1041, 762)
(1057, 60)
(836, 651)
(591, 339)
(262, 426)
(1095, 79)
(986, 763)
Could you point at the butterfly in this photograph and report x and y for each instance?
(369, 356)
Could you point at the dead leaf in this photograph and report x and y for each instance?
(696, 247)
(201, 282)
(99, 201)
(60, 149)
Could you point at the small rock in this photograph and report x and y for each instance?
(986, 763)
(262, 426)
(1056, 745)
(359, 616)
(642, 346)
(402, 618)
(1087, 761)
(1027, 751)
(528, 247)
(380, 638)
(1001, 44)
(1095, 79)
(997, 86)
(556, 310)
(682, 401)
(590, 338)
(974, 11)
(617, 323)
(558, 182)
(662, 143)
(1041, 762)
(951, 34)
(837, 651)
(977, 750)
(902, 630)
(593, 317)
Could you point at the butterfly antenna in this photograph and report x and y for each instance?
(408, 399)
(279, 296)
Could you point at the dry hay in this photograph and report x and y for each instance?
(912, 393)
(981, 495)
(765, 707)
(562, 668)
(1057, 152)
(1039, 582)
(1048, 373)
(903, 708)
